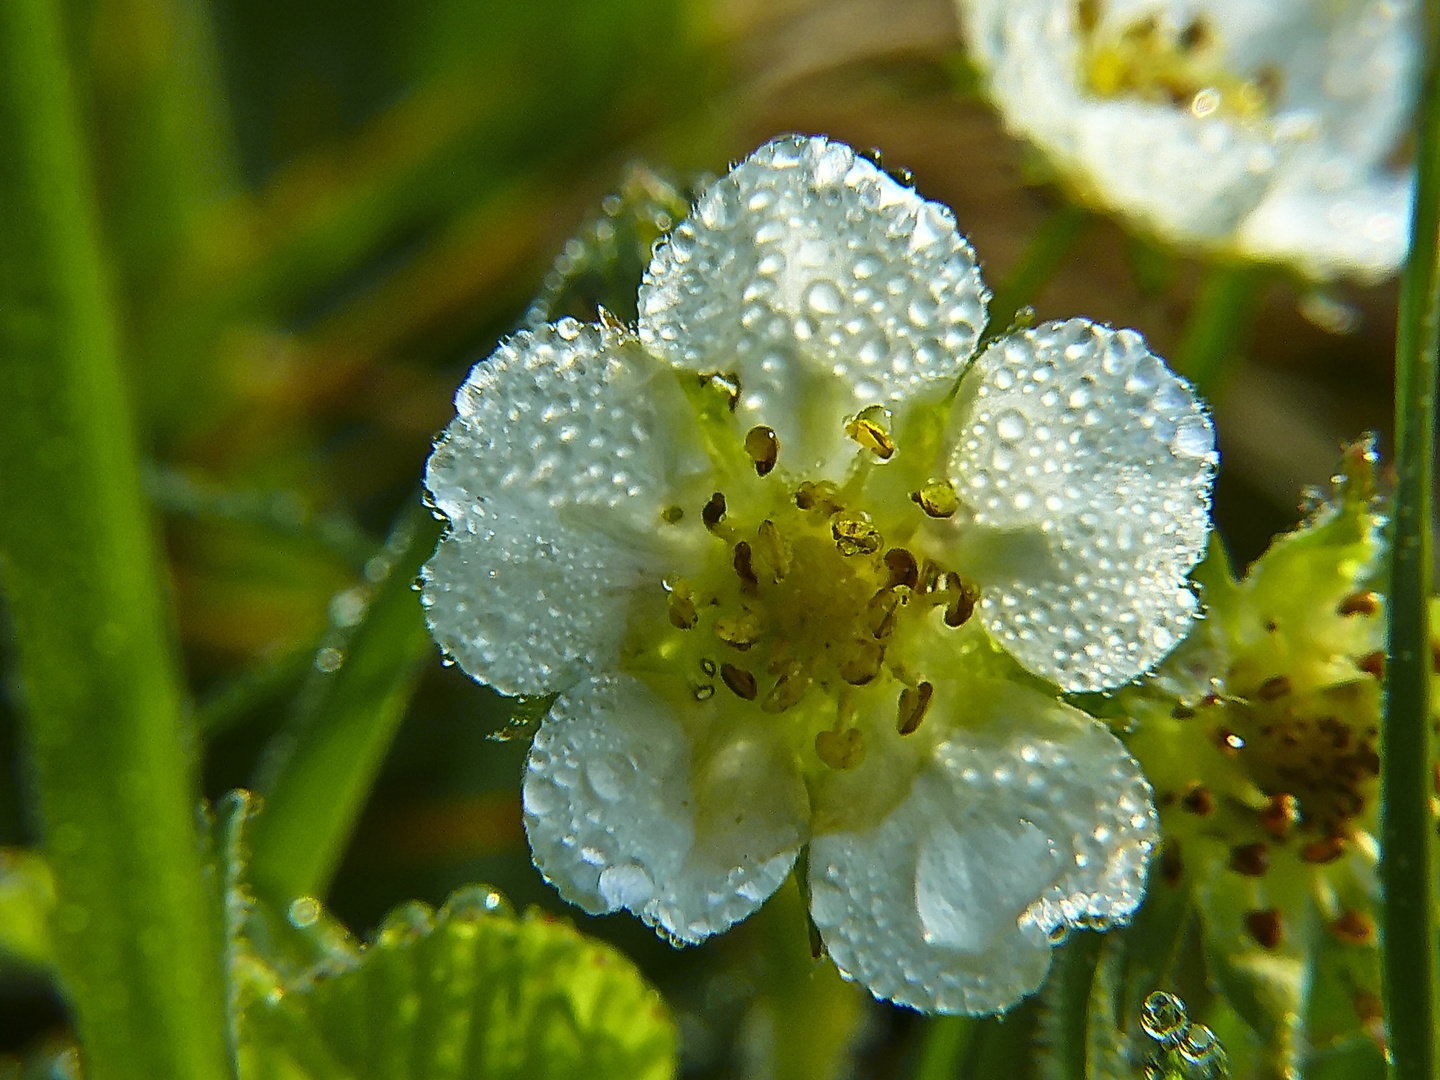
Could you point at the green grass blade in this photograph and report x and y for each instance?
(1408, 865)
(1224, 308)
(316, 778)
(136, 948)
(1047, 252)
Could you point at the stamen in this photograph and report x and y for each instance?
(727, 382)
(937, 498)
(1281, 812)
(902, 567)
(672, 515)
(1265, 927)
(914, 704)
(703, 692)
(1324, 850)
(608, 319)
(862, 661)
(1252, 860)
(707, 665)
(745, 569)
(820, 497)
(680, 606)
(880, 613)
(841, 750)
(763, 448)
(854, 535)
(1354, 928)
(714, 510)
(774, 549)
(792, 685)
(741, 682)
(872, 437)
(1360, 603)
(738, 631)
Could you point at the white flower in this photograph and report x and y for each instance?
(1268, 128)
(744, 543)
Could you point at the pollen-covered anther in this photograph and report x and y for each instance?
(841, 750)
(672, 515)
(880, 613)
(740, 681)
(855, 535)
(1353, 928)
(1198, 800)
(1364, 602)
(937, 498)
(774, 549)
(914, 704)
(738, 631)
(820, 497)
(871, 436)
(1273, 688)
(792, 685)
(763, 449)
(1280, 814)
(1326, 849)
(713, 511)
(1372, 663)
(680, 606)
(862, 661)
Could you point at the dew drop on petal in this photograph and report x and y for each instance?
(625, 885)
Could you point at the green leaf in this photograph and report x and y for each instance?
(469, 992)
(27, 900)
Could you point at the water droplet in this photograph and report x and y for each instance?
(824, 298)
(1193, 437)
(1163, 1018)
(609, 774)
(1011, 426)
(626, 885)
(303, 912)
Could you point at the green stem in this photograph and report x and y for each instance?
(137, 945)
(946, 1045)
(1046, 254)
(1224, 307)
(317, 774)
(1408, 864)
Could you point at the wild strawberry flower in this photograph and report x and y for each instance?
(767, 547)
(1269, 129)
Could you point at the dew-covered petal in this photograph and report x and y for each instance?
(825, 285)
(1030, 821)
(567, 445)
(624, 810)
(1086, 467)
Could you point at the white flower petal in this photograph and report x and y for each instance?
(825, 285)
(623, 811)
(567, 445)
(1037, 822)
(1086, 465)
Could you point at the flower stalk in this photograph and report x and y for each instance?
(1408, 867)
(137, 948)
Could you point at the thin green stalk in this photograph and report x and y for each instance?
(136, 943)
(1408, 863)
(1042, 259)
(318, 773)
(945, 1047)
(1224, 307)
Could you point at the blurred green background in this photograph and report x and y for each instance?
(318, 215)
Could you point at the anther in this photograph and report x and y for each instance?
(1274, 688)
(608, 319)
(1252, 860)
(728, 383)
(680, 606)
(1265, 927)
(1198, 800)
(1280, 814)
(1325, 850)
(964, 597)
(913, 706)
(1359, 603)
(1172, 867)
(744, 565)
(703, 692)
(819, 497)
(1354, 928)
(740, 681)
(792, 685)
(763, 448)
(707, 665)
(854, 535)
(880, 613)
(862, 661)
(902, 568)
(872, 437)
(738, 631)
(714, 510)
(937, 498)
(841, 750)
(774, 549)
(1372, 663)
(672, 515)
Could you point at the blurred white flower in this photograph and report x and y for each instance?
(744, 542)
(1271, 129)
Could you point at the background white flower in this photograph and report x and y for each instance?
(744, 544)
(1272, 128)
